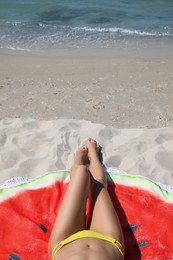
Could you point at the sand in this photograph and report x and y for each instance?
(30, 148)
(50, 105)
(123, 92)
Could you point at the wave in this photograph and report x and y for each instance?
(25, 37)
(162, 31)
(16, 48)
(123, 31)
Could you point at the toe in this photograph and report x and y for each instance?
(84, 149)
(92, 140)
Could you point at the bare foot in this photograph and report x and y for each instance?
(81, 156)
(92, 149)
(95, 168)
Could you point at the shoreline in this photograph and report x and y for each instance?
(148, 48)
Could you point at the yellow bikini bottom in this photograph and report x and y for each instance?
(84, 234)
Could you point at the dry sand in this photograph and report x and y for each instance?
(125, 96)
(30, 148)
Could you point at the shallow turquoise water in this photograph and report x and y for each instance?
(36, 24)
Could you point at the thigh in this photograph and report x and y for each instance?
(104, 217)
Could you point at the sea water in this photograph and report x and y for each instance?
(42, 24)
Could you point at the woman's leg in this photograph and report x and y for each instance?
(71, 216)
(104, 218)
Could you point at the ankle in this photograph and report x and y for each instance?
(94, 157)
